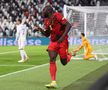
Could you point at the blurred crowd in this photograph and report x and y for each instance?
(30, 12)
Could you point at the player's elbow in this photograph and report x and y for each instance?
(82, 46)
(47, 35)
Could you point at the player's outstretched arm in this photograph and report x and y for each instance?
(44, 32)
(68, 26)
(80, 47)
(75, 51)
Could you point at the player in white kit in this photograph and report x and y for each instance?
(21, 39)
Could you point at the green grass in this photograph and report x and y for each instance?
(77, 75)
(37, 55)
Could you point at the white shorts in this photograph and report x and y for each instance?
(21, 43)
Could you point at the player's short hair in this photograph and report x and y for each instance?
(20, 20)
(47, 10)
(83, 34)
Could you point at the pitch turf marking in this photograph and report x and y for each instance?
(8, 52)
(76, 58)
(16, 72)
(15, 65)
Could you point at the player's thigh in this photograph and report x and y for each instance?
(53, 50)
(21, 44)
(63, 50)
(52, 55)
(53, 46)
(88, 53)
(63, 53)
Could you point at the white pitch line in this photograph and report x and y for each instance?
(15, 65)
(23, 70)
(77, 58)
(8, 52)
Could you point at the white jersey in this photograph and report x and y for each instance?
(21, 32)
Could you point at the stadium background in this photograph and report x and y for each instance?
(81, 74)
(30, 12)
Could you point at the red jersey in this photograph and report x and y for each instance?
(55, 23)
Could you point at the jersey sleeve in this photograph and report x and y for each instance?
(25, 30)
(59, 17)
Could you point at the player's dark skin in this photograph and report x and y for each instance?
(53, 54)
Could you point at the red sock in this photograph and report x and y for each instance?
(53, 70)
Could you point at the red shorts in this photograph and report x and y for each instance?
(60, 48)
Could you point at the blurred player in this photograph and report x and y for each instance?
(88, 48)
(57, 27)
(21, 39)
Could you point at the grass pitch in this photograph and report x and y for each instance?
(34, 74)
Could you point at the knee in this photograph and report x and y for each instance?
(52, 59)
(64, 62)
(86, 58)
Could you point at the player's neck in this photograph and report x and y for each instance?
(83, 38)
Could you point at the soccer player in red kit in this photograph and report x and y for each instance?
(57, 27)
